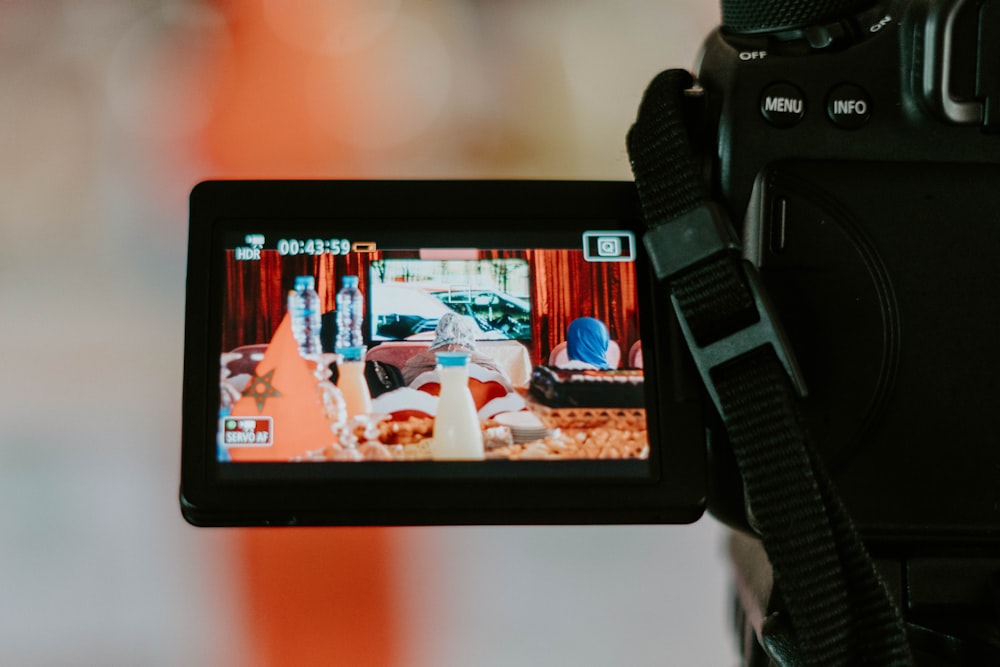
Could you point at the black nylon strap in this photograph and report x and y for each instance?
(665, 166)
(838, 606)
(839, 609)
(669, 182)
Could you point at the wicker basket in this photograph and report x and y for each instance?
(632, 419)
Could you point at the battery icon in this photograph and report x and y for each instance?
(364, 246)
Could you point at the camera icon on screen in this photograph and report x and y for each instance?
(609, 246)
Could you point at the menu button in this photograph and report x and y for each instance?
(782, 105)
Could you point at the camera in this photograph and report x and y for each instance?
(856, 144)
(857, 147)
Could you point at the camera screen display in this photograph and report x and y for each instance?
(412, 352)
(331, 348)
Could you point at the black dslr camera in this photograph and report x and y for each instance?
(857, 147)
(860, 147)
(859, 144)
(862, 153)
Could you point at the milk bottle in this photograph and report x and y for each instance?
(351, 381)
(457, 432)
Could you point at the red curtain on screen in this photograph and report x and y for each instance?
(256, 293)
(564, 286)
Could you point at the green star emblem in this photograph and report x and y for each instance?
(261, 389)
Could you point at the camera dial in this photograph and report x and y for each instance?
(774, 16)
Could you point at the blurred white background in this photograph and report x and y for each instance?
(110, 111)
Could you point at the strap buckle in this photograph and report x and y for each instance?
(766, 331)
(700, 235)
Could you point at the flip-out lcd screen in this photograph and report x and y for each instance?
(429, 352)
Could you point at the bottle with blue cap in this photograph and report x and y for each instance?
(350, 315)
(303, 307)
(458, 435)
(350, 348)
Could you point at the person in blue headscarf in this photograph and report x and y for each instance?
(587, 342)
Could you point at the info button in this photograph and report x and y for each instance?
(849, 106)
(782, 104)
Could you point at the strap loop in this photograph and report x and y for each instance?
(679, 244)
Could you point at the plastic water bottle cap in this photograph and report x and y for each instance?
(452, 358)
(305, 282)
(354, 353)
(350, 281)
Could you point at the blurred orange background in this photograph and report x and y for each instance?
(112, 110)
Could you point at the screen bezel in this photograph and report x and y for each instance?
(417, 493)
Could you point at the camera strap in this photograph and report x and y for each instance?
(838, 608)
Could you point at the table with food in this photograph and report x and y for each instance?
(567, 415)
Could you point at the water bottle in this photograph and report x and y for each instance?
(303, 306)
(350, 315)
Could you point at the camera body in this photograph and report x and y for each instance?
(858, 149)
(862, 156)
